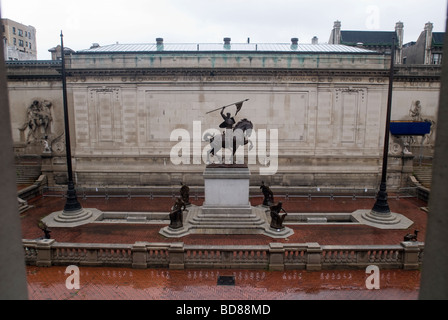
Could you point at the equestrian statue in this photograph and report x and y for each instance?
(234, 134)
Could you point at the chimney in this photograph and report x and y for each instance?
(94, 45)
(294, 43)
(159, 43)
(428, 42)
(315, 40)
(399, 31)
(227, 43)
(398, 52)
(336, 33)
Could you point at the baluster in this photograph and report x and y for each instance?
(338, 256)
(352, 256)
(217, 255)
(370, 254)
(330, 256)
(344, 255)
(287, 256)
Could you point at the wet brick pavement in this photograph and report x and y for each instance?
(159, 284)
(324, 234)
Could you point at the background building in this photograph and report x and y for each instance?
(327, 101)
(19, 40)
(380, 41)
(56, 52)
(427, 49)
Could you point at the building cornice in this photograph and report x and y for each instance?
(50, 70)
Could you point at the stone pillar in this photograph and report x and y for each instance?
(139, 255)
(92, 258)
(44, 252)
(276, 257)
(176, 253)
(428, 45)
(314, 253)
(411, 252)
(335, 37)
(399, 48)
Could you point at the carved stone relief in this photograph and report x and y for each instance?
(415, 112)
(36, 130)
(38, 121)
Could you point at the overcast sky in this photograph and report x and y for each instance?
(84, 22)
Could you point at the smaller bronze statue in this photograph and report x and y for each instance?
(176, 214)
(411, 237)
(185, 193)
(268, 194)
(277, 218)
(45, 229)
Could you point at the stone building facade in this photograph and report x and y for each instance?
(325, 104)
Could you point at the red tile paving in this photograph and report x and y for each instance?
(122, 283)
(130, 233)
(158, 284)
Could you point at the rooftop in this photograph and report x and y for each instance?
(437, 38)
(220, 47)
(377, 38)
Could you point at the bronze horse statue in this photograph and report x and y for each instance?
(240, 134)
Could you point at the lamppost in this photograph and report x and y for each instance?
(73, 211)
(380, 215)
(381, 206)
(380, 212)
(72, 204)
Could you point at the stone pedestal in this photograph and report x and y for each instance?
(226, 189)
(226, 208)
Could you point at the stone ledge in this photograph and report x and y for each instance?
(85, 216)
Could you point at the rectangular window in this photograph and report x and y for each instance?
(20, 42)
(437, 58)
(13, 30)
(14, 41)
(21, 32)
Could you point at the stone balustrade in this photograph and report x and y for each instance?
(275, 256)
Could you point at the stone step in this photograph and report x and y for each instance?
(423, 174)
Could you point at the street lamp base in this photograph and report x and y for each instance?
(393, 220)
(381, 217)
(73, 216)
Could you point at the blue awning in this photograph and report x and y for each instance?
(409, 128)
